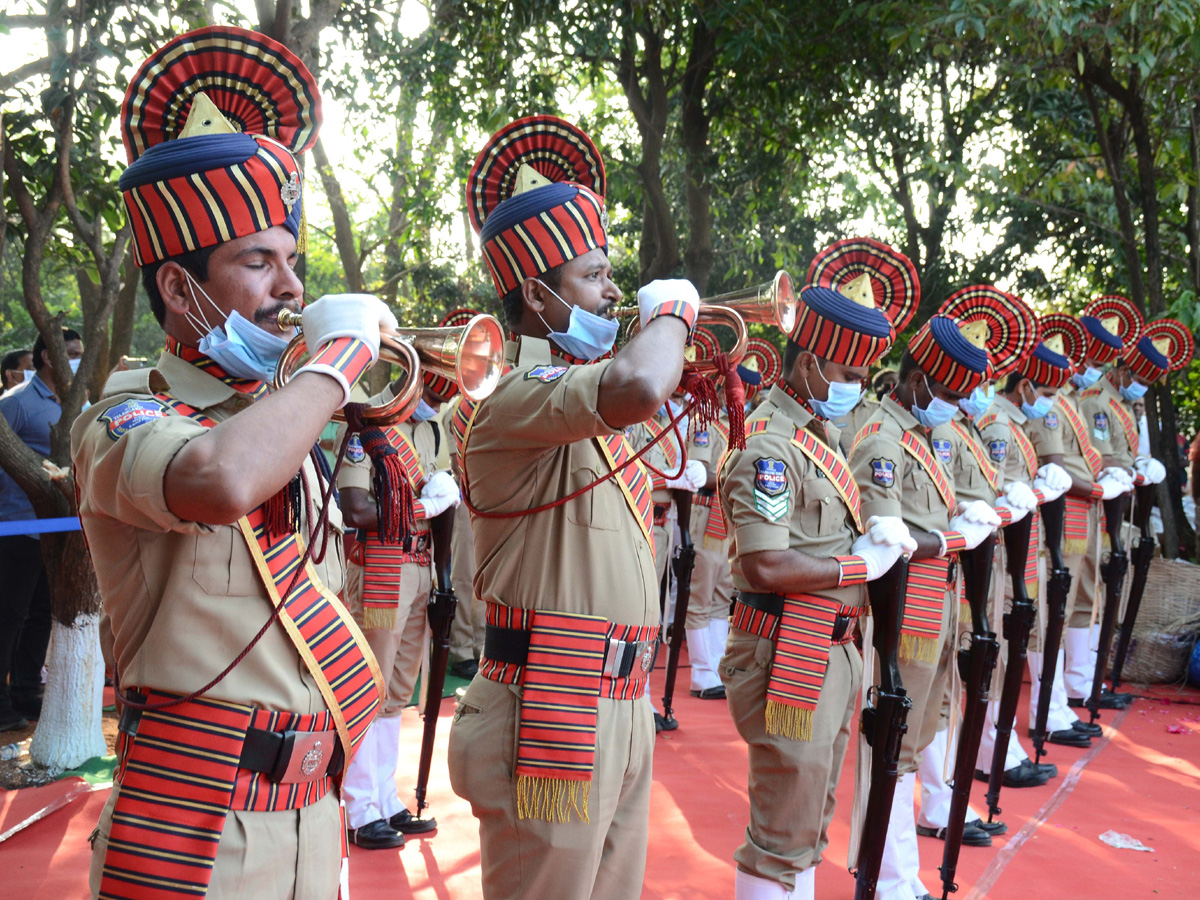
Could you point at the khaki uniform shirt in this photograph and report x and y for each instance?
(182, 599)
(532, 442)
(1105, 430)
(1002, 448)
(641, 434)
(890, 481)
(776, 498)
(1052, 434)
(970, 483)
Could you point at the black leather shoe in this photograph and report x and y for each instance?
(1108, 700)
(662, 723)
(377, 835)
(1069, 737)
(406, 823)
(1050, 770)
(1088, 728)
(990, 827)
(464, 668)
(712, 693)
(973, 836)
(1024, 775)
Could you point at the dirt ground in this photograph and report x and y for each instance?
(19, 772)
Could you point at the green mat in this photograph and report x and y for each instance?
(97, 770)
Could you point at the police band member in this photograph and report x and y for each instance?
(800, 553)
(552, 742)
(900, 461)
(388, 583)
(191, 476)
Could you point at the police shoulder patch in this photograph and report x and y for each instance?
(354, 449)
(129, 414)
(998, 450)
(883, 472)
(772, 496)
(1100, 426)
(701, 439)
(942, 449)
(1051, 420)
(546, 374)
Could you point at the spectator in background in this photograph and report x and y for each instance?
(13, 368)
(1194, 475)
(24, 595)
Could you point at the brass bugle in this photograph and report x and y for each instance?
(470, 355)
(770, 303)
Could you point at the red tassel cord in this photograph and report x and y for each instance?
(393, 494)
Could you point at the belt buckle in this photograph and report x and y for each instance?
(613, 658)
(647, 661)
(303, 757)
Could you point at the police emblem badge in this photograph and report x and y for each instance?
(998, 450)
(942, 449)
(129, 414)
(883, 472)
(772, 496)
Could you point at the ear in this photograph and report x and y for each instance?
(531, 295)
(802, 366)
(174, 289)
(915, 379)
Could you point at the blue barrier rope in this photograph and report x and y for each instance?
(39, 526)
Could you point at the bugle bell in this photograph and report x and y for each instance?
(470, 355)
(770, 303)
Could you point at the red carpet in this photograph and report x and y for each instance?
(1145, 782)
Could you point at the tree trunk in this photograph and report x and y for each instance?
(698, 255)
(343, 227)
(69, 731)
(124, 314)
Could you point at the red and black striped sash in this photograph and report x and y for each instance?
(863, 433)
(832, 467)
(715, 529)
(1127, 423)
(381, 567)
(1076, 524)
(634, 482)
(927, 461)
(922, 622)
(1028, 453)
(408, 456)
(985, 466)
(1090, 456)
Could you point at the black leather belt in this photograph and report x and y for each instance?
(413, 543)
(621, 658)
(288, 757)
(772, 604)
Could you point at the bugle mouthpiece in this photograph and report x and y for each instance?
(287, 318)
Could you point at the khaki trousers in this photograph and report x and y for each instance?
(792, 784)
(399, 650)
(530, 859)
(293, 854)
(470, 618)
(927, 684)
(712, 585)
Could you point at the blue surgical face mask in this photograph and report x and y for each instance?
(1135, 391)
(1040, 406)
(841, 398)
(74, 364)
(939, 412)
(424, 412)
(588, 336)
(1089, 377)
(979, 402)
(238, 346)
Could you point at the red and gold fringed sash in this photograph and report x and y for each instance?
(1031, 556)
(833, 467)
(1076, 523)
(927, 461)
(922, 622)
(1028, 454)
(381, 581)
(1127, 423)
(863, 433)
(1093, 459)
(408, 456)
(985, 465)
(556, 740)
(715, 528)
(633, 480)
(670, 446)
(177, 780)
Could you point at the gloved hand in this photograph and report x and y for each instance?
(1018, 496)
(974, 533)
(1112, 486)
(891, 531)
(692, 478)
(439, 493)
(1117, 473)
(977, 512)
(667, 290)
(1150, 469)
(1055, 477)
(347, 315)
(879, 557)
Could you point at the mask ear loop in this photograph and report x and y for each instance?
(201, 323)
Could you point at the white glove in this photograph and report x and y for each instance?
(1116, 473)
(1018, 496)
(1048, 493)
(439, 493)
(977, 512)
(666, 290)
(1113, 486)
(347, 315)
(692, 478)
(974, 533)
(1055, 477)
(879, 557)
(1150, 469)
(891, 531)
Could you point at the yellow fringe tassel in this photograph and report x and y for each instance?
(380, 617)
(920, 649)
(964, 613)
(552, 799)
(1074, 546)
(302, 232)
(792, 722)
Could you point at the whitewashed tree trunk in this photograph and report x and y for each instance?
(69, 731)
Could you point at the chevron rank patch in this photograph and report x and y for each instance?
(883, 472)
(998, 450)
(942, 449)
(129, 414)
(1100, 426)
(354, 449)
(772, 496)
(546, 374)
(701, 439)
(1051, 420)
